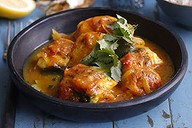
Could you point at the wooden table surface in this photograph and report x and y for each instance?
(175, 112)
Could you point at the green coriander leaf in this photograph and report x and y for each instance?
(104, 57)
(121, 19)
(111, 55)
(110, 38)
(113, 46)
(116, 29)
(127, 39)
(90, 58)
(104, 44)
(116, 72)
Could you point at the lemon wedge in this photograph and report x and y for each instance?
(14, 9)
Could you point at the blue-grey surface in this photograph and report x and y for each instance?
(175, 112)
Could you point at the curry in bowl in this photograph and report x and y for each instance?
(102, 61)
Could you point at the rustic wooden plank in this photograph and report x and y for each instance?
(3, 78)
(7, 94)
(31, 117)
(181, 100)
(53, 122)
(27, 115)
(8, 118)
(155, 118)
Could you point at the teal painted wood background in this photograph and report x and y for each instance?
(175, 112)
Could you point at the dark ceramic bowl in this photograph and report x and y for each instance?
(180, 14)
(40, 31)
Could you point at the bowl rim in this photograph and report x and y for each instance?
(99, 106)
(174, 4)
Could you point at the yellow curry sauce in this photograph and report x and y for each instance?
(55, 69)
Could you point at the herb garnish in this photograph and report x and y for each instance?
(108, 50)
